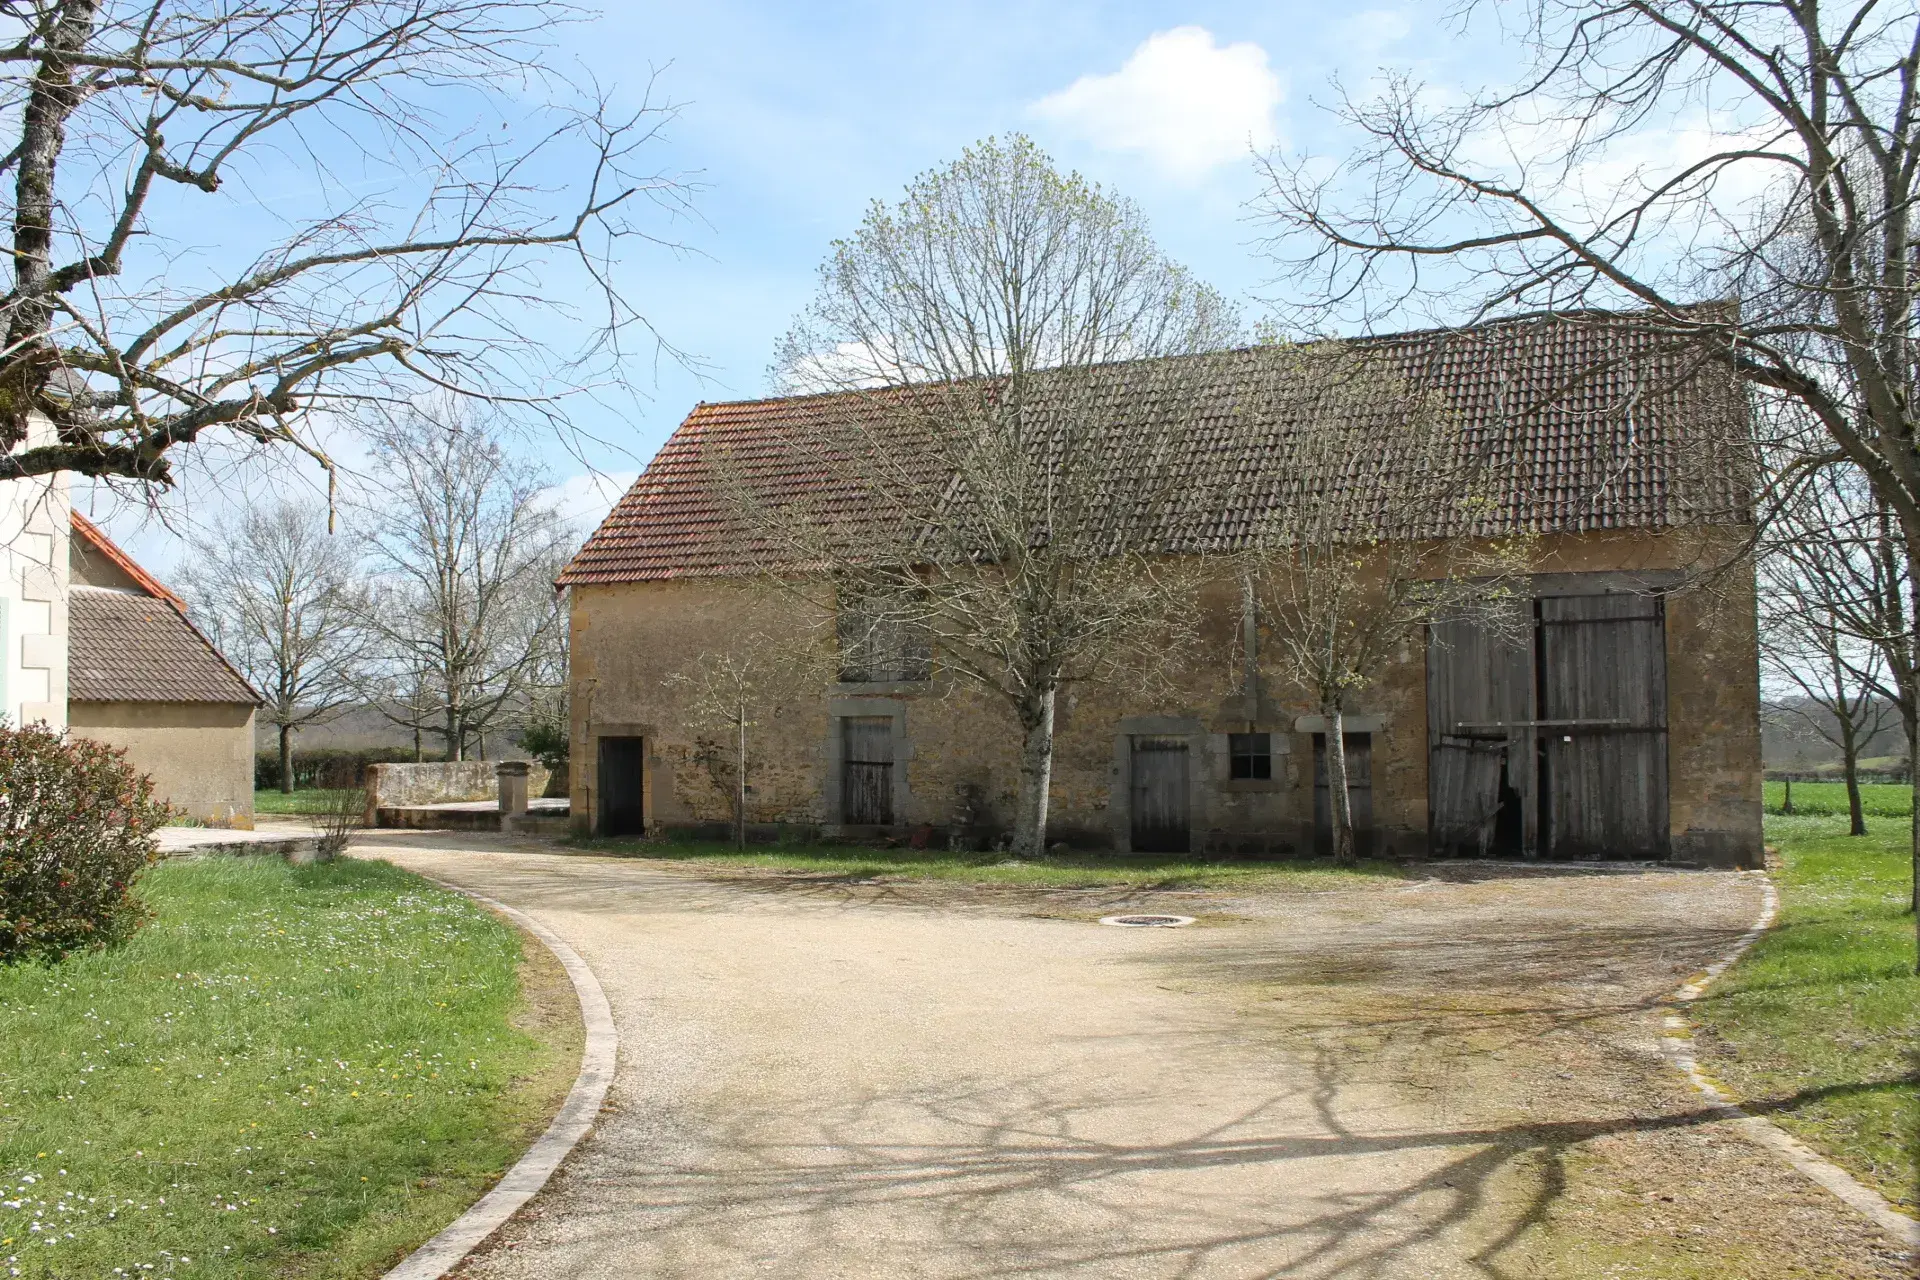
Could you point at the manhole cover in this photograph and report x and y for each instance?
(1146, 922)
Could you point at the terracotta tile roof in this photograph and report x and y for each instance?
(90, 533)
(123, 647)
(1591, 422)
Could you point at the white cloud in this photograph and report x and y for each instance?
(583, 501)
(1183, 101)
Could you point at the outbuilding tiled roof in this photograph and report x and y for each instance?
(125, 647)
(137, 645)
(1583, 422)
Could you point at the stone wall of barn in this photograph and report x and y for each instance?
(957, 748)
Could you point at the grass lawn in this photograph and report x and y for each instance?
(1064, 871)
(1823, 1014)
(292, 1071)
(316, 801)
(1815, 799)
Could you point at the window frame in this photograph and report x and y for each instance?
(1258, 759)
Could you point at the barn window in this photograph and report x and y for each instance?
(877, 648)
(1249, 755)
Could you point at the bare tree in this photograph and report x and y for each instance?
(132, 121)
(733, 691)
(465, 547)
(1012, 486)
(1521, 200)
(1834, 627)
(283, 599)
(1384, 526)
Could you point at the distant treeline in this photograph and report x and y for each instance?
(1893, 772)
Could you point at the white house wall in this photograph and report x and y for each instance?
(33, 599)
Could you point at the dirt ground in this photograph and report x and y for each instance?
(1455, 1077)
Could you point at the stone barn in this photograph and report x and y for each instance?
(1623, 723)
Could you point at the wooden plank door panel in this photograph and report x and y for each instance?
(1480, 709)
(1464, 790)
(1603, 682)
(1359, 788)
(1159, 791)
(866, 771)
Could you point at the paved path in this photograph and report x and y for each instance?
(827, 1081)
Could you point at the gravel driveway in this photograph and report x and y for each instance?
(1439, 1079)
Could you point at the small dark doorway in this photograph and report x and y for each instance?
(866, 771)
(1359, 790)
(623, 810)
(1159, 793)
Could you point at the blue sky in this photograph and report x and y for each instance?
(793, 117)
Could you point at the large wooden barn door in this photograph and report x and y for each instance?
(1480, 736)
(1158, 794)
(1603, 698)
(866, 771)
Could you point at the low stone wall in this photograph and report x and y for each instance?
(539, 824)
(393, 786)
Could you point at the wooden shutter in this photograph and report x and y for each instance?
(1159, 794)
(866, 770)
(1603, 694)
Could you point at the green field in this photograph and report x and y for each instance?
(1877, 799)
(318, 801)
(290, 1072)
(1819, 1024)
(1060, 871)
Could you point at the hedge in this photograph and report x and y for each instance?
(324, 767)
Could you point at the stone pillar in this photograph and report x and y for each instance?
(513, 786)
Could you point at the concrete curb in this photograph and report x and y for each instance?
(470, 1230)
(1678, 1046)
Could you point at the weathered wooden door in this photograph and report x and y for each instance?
(622, 777)
(1159, 796)
(1603, 704)
(866, 771)
(1359, 788)
(1480, 736)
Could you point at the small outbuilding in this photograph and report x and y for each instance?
(140, 676)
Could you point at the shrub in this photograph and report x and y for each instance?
(76, 830)
(547, 741)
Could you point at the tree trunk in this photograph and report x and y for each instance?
(1786, 805)
(1912, 725)
(43, 135)
(1850, 768)
(740, 786)
(455, 733)
(1339, 802)
(1036, 776)
(419, 750)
